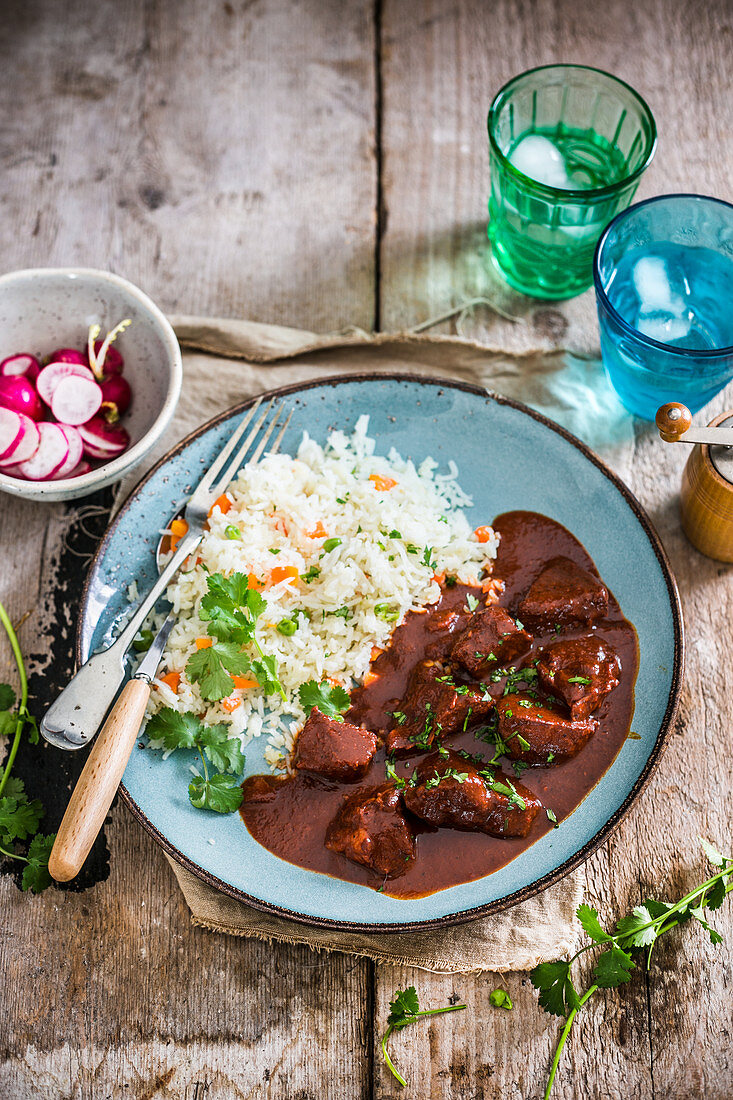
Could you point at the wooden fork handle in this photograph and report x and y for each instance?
(98, 782)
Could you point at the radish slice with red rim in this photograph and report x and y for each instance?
(23, 364)
(76, 452)
(54, 373)
(103, 440)
(82, 468)
(11, 431)
(25, 445)
(50, 456)
(75, 400)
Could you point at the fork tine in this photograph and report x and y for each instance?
(276, 445)
(208, 478)
(235, 464)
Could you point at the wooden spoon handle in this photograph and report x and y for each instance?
(98, 782)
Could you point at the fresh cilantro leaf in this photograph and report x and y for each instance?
(266, 672)
(212, 669)
(699, 915)
(14, 788)
(331, 701)
(412, 549)
(7, 697)
(19, 818)
(35, 874)
(588, 918)
(630, 930)
(404, 1006)
(8, 722)
(177, 730)
(578, 680)
(394, 534)
(715, 896)
(557, 993)
(312, 574)
(427, 557)
(713, 854)
(224, 752)
(220, 793)
(30, 721)
(613, 968)
(392, 773)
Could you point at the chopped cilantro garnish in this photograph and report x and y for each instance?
(312, 574)
(471, 602)
(220, 791)
(331, 701)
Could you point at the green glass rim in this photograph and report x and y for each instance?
(604, 301)
(561, 193)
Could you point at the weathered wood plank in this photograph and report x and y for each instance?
(671, 1038)
(222, 157)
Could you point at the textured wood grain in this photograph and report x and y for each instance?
(670, 1036)
(223, 156)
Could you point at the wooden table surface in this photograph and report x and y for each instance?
(323, 163)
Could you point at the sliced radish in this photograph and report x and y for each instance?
(25, 445)
(51, 454)
(103, 440)
(82, 468)
(18, 394)
(51, 375)
(23, 364)
(11, 432)
(68, 355)
(75, 400)
(76, 451)
(12, 471)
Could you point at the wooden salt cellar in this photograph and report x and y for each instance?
(706, 493)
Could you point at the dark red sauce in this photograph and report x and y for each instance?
(294, 823)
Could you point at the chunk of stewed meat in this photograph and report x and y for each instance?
(564, 594)
(581, 672)
(537, 733)
(434, 708)
(334, 749)
(370, 828)
(451, 791)
(492, 639)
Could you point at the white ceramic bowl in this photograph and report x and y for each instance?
(49, 308)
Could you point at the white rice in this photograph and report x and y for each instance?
(277, 505)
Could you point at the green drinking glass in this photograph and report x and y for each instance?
(567, 147)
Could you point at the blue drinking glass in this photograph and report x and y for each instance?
(663, 274)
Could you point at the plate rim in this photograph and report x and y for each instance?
(607, 829)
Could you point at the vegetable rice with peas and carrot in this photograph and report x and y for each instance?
(308, 565)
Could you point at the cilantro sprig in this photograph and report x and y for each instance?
(405, 1009)
(331, 700)
(19, 815)
(637, 931)
(231, 608)
(219, 791)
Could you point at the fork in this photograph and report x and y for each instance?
(74, 718)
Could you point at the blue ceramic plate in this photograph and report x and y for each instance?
(508, 457)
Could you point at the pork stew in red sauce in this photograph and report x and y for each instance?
(489, 715)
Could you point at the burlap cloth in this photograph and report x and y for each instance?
(227, 361)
